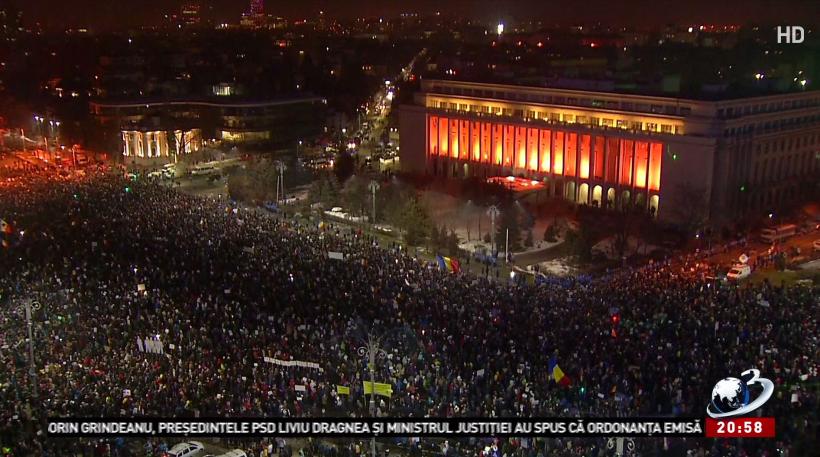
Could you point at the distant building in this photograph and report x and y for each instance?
(257, 7)
(255, 17)
(189, 14)
(10, 23)
(226, 90)
(157, 131)
(745, 156)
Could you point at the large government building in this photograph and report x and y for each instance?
(740, 157)
(153, 131)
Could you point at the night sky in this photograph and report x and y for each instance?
(114, 14)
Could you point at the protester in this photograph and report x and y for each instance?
(215, 288)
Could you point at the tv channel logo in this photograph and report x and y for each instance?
(793, 34)
(733, 397)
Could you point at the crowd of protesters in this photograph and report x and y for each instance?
(113, 261)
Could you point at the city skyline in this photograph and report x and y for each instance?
(107, 16)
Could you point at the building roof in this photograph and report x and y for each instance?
(222, 102)
(701, 96)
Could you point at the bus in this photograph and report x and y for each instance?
(779, 233)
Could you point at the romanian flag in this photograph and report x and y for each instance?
(448, 264)
(557, 373)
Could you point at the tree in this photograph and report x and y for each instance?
(356, 195)
(580, 243)
(324, 190)
(689, 207)
(528, 241)
(452, 243)
(622, 230)
(344, 166)
(415, 222)
(390, 200)
(435, 237)
(551, 234)
(509, 221)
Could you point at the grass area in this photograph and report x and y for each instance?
(789, 277)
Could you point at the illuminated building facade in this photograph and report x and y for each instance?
(160, 144)
(156, 130)
(616, 150)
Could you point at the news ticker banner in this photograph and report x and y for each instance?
(403, 427)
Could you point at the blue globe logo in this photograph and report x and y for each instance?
(736, 397)
(729, 394)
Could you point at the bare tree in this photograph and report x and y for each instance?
(689, 207)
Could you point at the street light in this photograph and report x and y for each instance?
(374, 186)
(375, 346)
(26, 308)
(493, 212)
(280, 179)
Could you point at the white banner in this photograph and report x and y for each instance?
(293, 363)
(335, 255)
(150, 345)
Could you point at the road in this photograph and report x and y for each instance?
(539, 255)
(377, 111)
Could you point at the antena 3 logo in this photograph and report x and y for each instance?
(735, 397)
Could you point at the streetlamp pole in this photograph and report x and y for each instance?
(507, 248)
(372, 350)
(280, 180)
(374, 186)
(493, 213)
(375, 346)
(27, 306)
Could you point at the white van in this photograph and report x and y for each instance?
(203, 170)
(738, 272)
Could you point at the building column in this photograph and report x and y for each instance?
(125, 142)
(577, 166)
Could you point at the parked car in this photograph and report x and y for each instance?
(186, 449)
